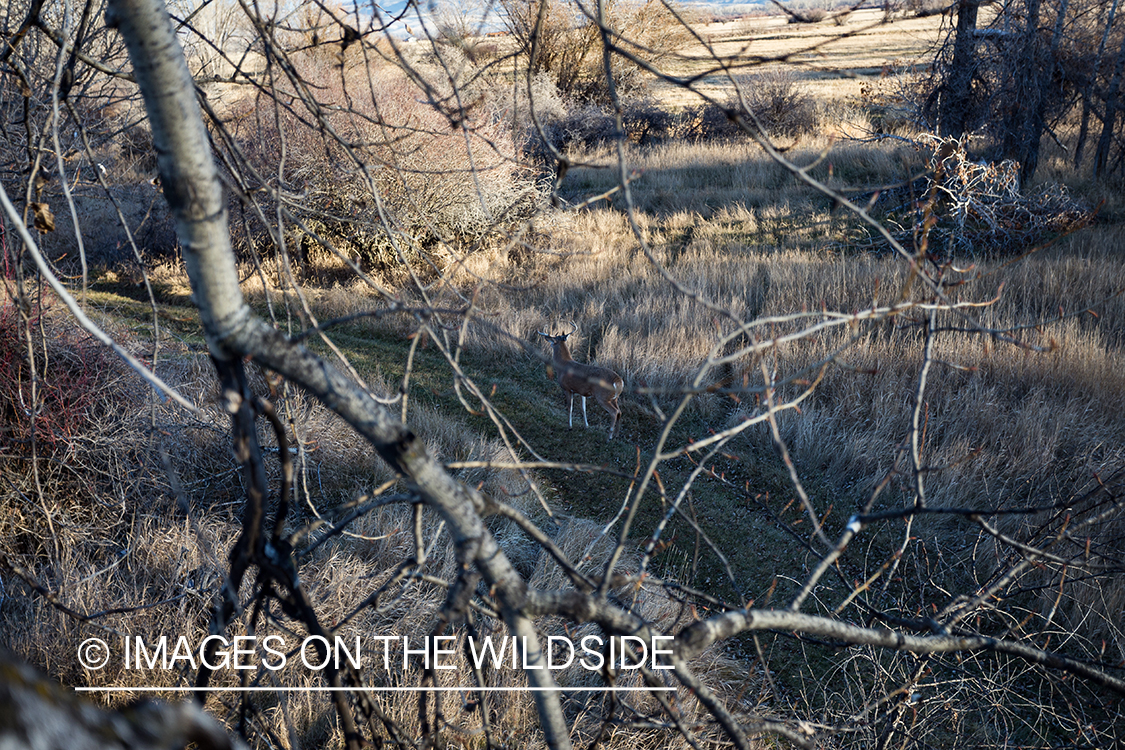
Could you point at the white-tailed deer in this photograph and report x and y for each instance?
(584, 380)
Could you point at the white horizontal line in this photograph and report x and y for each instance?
(156, 689)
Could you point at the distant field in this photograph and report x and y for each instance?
(831, 60)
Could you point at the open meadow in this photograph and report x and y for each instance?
(869, 466)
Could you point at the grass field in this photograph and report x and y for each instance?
(716, 249)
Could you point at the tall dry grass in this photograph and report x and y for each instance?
(718, 179)
(1004, 424)
(139, 546)
(617, 297)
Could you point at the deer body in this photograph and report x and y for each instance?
(575, 378)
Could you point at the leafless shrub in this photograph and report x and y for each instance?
(778, 103)
(647, 123)
(809, 15)
(537, 114)
(892, 106)
(60, 389)
(978, 207)
(707, 122)
(74, 495)
(418, 183)
(566, 43)
(924, 8)
(774, 99)
(587, 125)
(561, 38)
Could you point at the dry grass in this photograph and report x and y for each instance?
(735, 185)
(620, 302)
(155, 524)
(832, 61)
(1003, 423)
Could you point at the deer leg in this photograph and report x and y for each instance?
(584, 420)
(610, 405)
(570, 396)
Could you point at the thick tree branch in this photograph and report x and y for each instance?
(197, 203)
(695, 638)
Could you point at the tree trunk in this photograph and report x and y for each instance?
(955, 115)
(1109, 122)
(1048, 80)
(1092, 84)
(1022, 131)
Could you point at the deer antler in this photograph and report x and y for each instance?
(573, 330)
